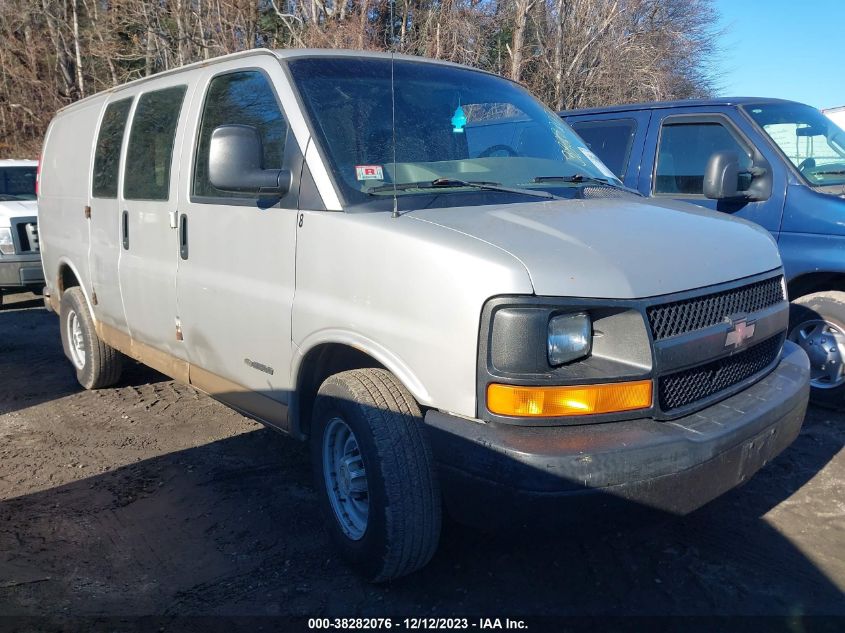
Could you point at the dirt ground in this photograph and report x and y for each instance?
(151, 499)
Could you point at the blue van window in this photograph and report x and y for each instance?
(609, 140)
(683, 153)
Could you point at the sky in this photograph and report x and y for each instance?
(789, 49)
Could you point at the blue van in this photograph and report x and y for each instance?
(778, 163)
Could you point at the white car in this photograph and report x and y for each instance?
(20, 257)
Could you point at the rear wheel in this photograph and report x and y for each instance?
(817, 324)
(375, 474)
(97, 364)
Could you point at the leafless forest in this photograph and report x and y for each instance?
(571, 53)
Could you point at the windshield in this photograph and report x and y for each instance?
(455, 128)
(17, 183)
(814, 143)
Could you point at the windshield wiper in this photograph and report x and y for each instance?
(572, 178)
(581, 178)
(450, 183)
(835, 172)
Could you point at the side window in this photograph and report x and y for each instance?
(107, 154)
(242, 98)
(150, 152)
(611, 141)
(683, 153)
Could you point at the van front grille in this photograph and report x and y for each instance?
(691, 385)
(671, 319)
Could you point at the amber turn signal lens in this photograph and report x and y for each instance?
(550, 402)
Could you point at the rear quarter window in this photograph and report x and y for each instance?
(107, 154)
(611, 141)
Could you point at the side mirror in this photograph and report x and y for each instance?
(235, 163)
(721, 176)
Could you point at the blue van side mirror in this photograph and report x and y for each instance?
(721, 176)
(235, 163)
(724, 180)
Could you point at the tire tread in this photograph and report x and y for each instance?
(104, 364)
(414, 508)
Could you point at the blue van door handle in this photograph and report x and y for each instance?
(125, 230)
(183, 236)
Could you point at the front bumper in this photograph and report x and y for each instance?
(493, 471)
(20, 271)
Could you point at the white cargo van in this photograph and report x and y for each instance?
(20, 261)
(423, 271)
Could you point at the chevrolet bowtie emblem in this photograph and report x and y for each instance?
(739, 333)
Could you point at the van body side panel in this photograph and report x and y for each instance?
(808, 253)
(236, 285)
(812, 212)
(813, 235)
(405, 291)
(635, 160)
(149, 258)
(63, 193)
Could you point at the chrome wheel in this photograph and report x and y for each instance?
(346, 479)
(825, 346)
(76, 343)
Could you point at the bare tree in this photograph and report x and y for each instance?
(571, 53)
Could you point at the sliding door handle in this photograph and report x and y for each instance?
(183, 236)
(125, 230)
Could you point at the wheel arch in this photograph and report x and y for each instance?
(816, 281)
(67, 276)
(329, 357)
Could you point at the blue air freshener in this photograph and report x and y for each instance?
(459, 120)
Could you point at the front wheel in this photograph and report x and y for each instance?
(375, 474)
(817, 324)
(97, 364)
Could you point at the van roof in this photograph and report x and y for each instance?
(681, 103)
(282, 54)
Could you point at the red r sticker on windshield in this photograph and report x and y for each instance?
(369, 172)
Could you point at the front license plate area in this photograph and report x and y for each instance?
(756, 452)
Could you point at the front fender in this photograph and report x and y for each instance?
(811, 253)
(368, 346)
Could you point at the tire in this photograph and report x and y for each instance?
(822, 316)
(403, 517)
(97, 365)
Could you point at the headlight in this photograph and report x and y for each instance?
(570, 337)
(7, 247)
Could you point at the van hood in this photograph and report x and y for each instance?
(15, 209)
(616, 248)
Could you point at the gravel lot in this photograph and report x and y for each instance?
(151, 499)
